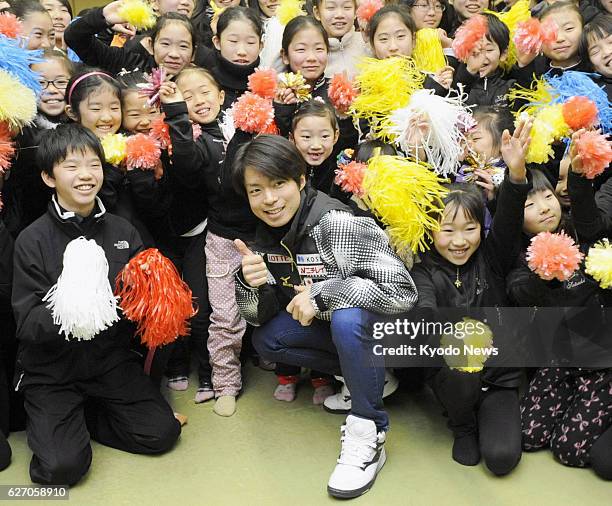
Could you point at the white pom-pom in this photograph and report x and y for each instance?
(445, 118)
(82, 301)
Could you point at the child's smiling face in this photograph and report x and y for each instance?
(600, 54)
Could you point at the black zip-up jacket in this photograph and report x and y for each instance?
(490, 90)
(80, 36)
(45, 356)
(233, 78)
(540, 66)
(591, 213)
(482, 277)
(346, 260)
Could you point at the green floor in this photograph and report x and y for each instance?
(272, 453)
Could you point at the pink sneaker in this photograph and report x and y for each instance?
(321, 393)
(286, 393)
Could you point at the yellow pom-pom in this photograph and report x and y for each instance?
(297, 83)
(518, 13)
(472, 342)
(17, 102)
(114, 146)
(599, 263)
(384, 86)
(539, 95)
(548, 126)
(137, 13)
(289, 9)
(428, 54)
(407, 196)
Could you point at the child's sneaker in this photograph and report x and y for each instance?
(322, 390)
(361, 458)
(204, 393)
(286, 393)
(178, 383)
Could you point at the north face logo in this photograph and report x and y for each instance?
(122, 245)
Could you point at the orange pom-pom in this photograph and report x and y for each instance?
(528, 36)
(468, 35)
(142, 152)
(595, 151)
(7, 148)
(341, 93)
(155, 297)
(160, 131)
(548, 31)
(367, 9)
(252, 113)
(349, 177)
(263, 82)
(10, 25)
(553, 256)
(580, 112)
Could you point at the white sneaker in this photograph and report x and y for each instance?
(340, 403)
(361, 457)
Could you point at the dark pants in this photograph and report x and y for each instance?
(187, 254)
(493, 414)
(121, 408)
(342, 347)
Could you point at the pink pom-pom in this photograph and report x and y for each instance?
(151, 88)
(196, 130)
(468, 35)
(160, 131)
(142, 152)
(531, 34)
(341, 93)
(553, 256)
(263, 82)
(349, 177)
(367, 9)
(595, 151)
(253, 114)
(7, 148)
(580, 112)
(10, 25)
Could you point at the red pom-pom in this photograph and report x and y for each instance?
(553, 256)
(531, 34)
(263, 82)
(595, 151)
(141, 152)
(580, 112)
(253, 114)
(152, 86)
(7, 148)
(160, 131)
(341, 93)
(349, 177)
(10, 25)
(468, 35)
(367, 9)
(155, 297)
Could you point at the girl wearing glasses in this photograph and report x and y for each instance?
(430, 13)
(25, 194)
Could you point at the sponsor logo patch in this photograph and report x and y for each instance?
(313, 258)
(313, 271)
(279, 259)
(122, 245)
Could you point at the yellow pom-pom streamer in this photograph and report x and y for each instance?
(599, 263)
(114, 146)
(17, 102)
(539, 95)
(297, 83)
(518, 13)
(137, 13)
(548, 126)
(289, 9)
(407, 196)
(384, 86)
(474, 346)
(428, 54)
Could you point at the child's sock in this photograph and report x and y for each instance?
(225, 405)
(178, 383)
(466, 450)
(204, 393)
(287, 387)
(322, 390)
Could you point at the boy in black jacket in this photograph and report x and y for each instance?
(321, 278)
(72, 388)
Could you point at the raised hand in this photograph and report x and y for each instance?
(476, 59)
(111, 13)
(254, 270)
(444, 77)
(169, 93)
(514, 149)
(575, 159)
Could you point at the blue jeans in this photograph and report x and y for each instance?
(342, 347)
